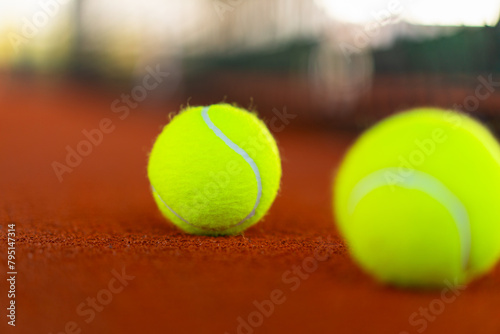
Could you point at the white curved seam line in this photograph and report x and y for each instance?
(429, 185)
(243, 154)
(179, 216)
(168, 207)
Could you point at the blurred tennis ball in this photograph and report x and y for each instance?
(416, 199)
(214, 170)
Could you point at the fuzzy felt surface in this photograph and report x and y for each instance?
(73, 235)
(201, 183)
(434, 213)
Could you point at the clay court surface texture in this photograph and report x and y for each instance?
(94, 255)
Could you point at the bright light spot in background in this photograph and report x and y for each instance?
(425, 12)
(452, 12)
(28, 34)
(10, 9)
(153, 20)
(353, 11)
(17, 15)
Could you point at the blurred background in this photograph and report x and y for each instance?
(74, 71)
(338, 63)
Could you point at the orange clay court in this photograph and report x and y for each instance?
(94, 255)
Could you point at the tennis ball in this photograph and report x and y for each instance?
(214, 170)
(416, 199)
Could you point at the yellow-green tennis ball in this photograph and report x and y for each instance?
(214, 170)
(417, 199)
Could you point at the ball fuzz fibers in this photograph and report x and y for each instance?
(214, 170)
(416, 199)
